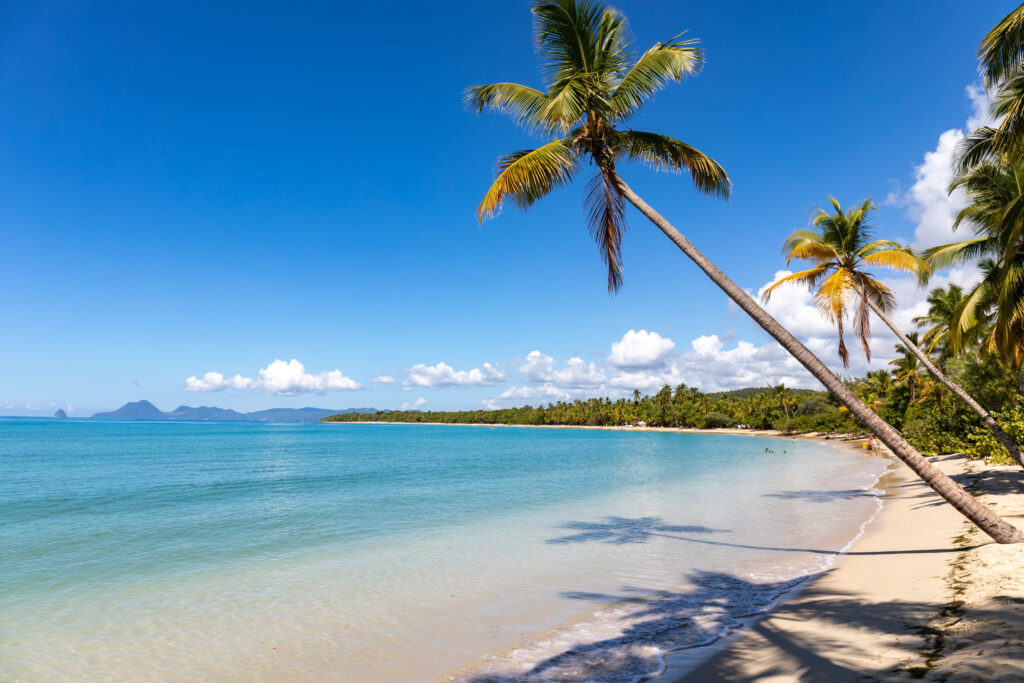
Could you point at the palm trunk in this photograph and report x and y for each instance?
(989, 421)
(953, 493)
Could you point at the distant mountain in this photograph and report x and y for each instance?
(144, 410)
(140, 410)
(60, 413)
(204, 413)
(300, 414)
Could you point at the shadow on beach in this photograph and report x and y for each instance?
(663, 621)
(621, 530)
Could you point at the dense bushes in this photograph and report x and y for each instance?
(717, 421)
(983, 444)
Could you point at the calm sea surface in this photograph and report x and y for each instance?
(171, 551)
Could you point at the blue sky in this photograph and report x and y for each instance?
(187, 189)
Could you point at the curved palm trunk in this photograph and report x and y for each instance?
(990, 422)
(953, 493)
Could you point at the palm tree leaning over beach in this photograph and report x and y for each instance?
(841, 249)
(595, 85)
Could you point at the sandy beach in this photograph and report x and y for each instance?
(922, 594)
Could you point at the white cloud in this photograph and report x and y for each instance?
(384, 378)
(538, 368)
(418, 403)
(281, 378)
(29, 406)
(641, 349)
(928, 202)
(444, 375)
(215, 381)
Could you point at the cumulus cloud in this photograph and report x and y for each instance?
(444, 375)
(928, 202)
(540, 368)
(641, 349)
(384, 378)
(418, 403)
(280, 377)
(215, 381)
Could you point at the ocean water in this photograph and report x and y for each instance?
(170, 551)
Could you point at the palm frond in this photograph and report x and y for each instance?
(1001, 51)
(529, 107)
(946, 255)
(976, 148)
(882, 253)
(606, 219)
(806, 245)
(566, 31)
(661, 63)
(528, 175)
(668, 154)
(832, 297)
(809, 277)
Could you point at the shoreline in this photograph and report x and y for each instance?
(922, 593)
(780, 590)
(841, 437)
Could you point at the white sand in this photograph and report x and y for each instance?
(892, 606)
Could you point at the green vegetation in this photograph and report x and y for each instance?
(766, 408)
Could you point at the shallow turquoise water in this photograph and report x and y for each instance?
(262, 551)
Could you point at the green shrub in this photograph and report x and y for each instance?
(983, 444)
(717, 421)
(815, 405)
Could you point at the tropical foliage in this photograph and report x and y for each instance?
(840, 250)
(595, 83)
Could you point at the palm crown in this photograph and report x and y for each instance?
(595, 83)
(840, 248)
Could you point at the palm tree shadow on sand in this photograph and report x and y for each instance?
(623, 530)
(650, 623)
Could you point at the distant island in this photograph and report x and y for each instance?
(60, 413)
(144, 410)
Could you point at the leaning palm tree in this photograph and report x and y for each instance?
(840, 251)
(595, 84)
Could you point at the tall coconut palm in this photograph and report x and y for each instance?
(840, 251)
(907, 367)
(595, 84)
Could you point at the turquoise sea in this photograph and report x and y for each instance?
(172, 551)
